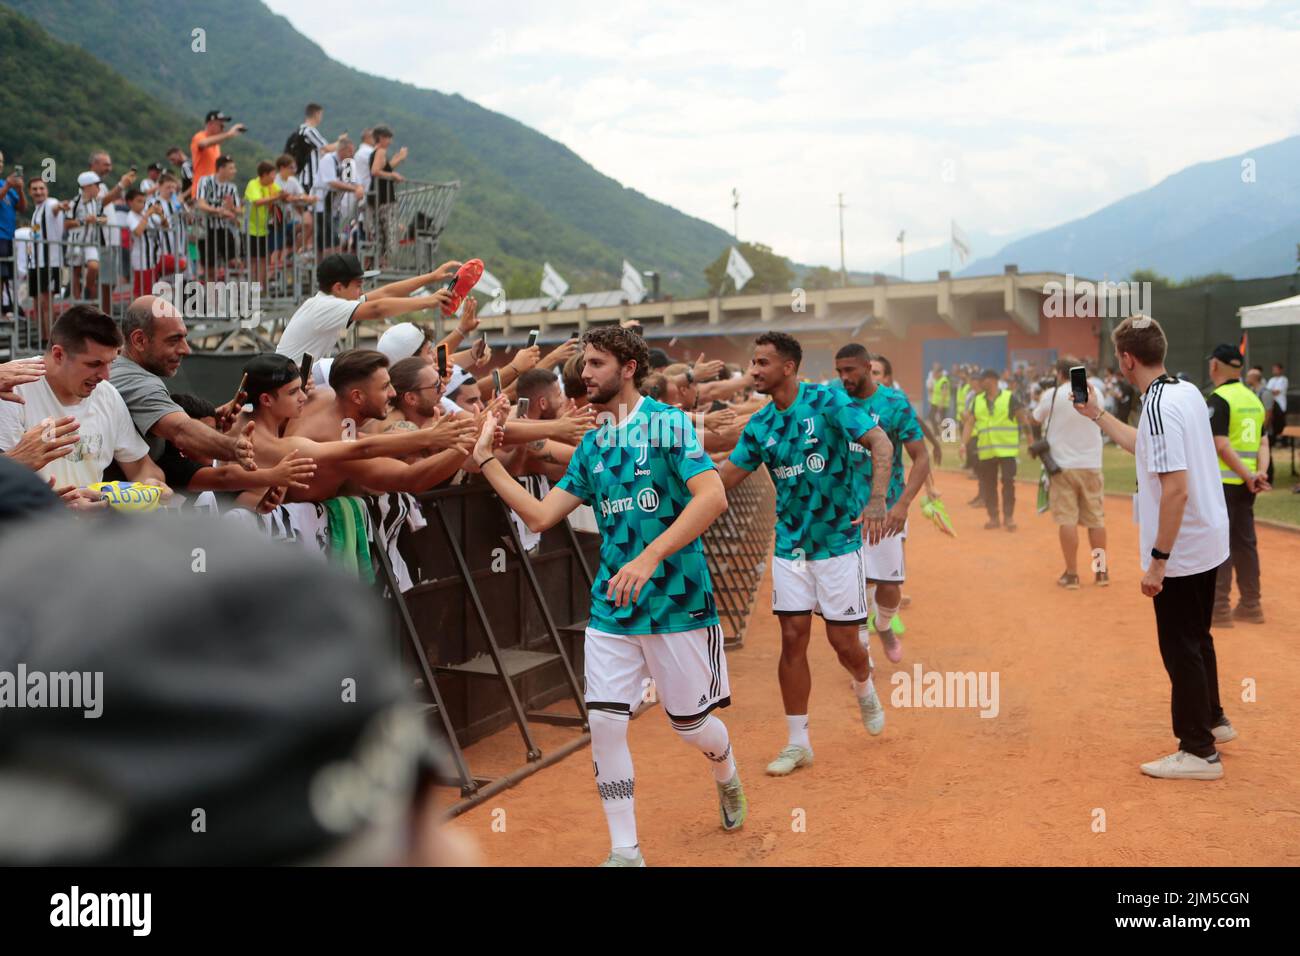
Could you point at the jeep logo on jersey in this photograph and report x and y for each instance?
(642, 457)
(816, 462)
(810, 431)
(648, 500)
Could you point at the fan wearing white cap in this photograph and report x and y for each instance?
(319, 323)
(462, 394)
(405, 340)
(84, 230)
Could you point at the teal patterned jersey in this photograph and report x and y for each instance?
(634, 477)
(893, 411)
(806, 450)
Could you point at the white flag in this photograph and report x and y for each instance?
(632, 284)
(738, 269)
(553, 283)
(960, 244)
(489, 284)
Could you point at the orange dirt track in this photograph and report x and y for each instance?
(1083, 701)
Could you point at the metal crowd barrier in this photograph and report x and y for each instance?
(496, 632)
(737, 547)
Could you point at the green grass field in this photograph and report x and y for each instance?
(1120, 476)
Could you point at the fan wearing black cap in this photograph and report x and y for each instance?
(319, 323)
(1240, 429)
(347, 464)
(249, 718)
(205, 145)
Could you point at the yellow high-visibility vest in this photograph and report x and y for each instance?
(999, 434)
(1245, 428)
(939, 393)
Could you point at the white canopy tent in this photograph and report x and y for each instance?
(1281, 312)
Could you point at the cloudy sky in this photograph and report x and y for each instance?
(1004, 117)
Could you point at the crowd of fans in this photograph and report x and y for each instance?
(302, 430)
(194, 215)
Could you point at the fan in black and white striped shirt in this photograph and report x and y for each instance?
(216, 191)
(219, 200)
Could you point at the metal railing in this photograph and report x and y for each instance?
(233, 277)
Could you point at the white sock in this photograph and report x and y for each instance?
(710, 737)
(864, 637)
(614, 780)
(884, 617)
(798, 729)
(863, 689)
(871, 599)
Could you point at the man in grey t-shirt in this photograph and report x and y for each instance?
(155, 344)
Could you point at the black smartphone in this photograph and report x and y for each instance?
(532, 337)
(305, 368)
(479, 347)
(1079, 384)
(442, 360)
(496, 382)
(523, 408)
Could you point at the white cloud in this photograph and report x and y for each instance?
(1041, 113)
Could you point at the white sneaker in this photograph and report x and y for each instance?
(873, 713)
(1223, 732)
(792, 757)
(617, 859)
(1184, 766)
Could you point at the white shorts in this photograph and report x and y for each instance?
(688, 670)
(884, 562)
(81, 255)
(833, 587)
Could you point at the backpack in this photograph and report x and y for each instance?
(300, 148)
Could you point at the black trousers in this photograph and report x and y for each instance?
(1183, 612)
(988, 471)
(1243, 555)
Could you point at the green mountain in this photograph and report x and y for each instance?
(61, 104)
(524, 197)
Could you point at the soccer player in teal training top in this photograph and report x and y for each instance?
(884, 561)
(803, 437)
(654, 492)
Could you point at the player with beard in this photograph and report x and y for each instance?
(354, 464)
(884, 560)
(803, 437)
(654, 492)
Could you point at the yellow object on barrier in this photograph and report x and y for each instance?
(129, 495)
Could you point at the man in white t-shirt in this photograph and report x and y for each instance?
(319, 323)
(84, 343)
(1183, 534)
(1076, 490)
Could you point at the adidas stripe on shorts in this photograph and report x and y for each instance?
(833, 587)
(689, 670)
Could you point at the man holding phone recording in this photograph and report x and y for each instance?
(1075, 495)
(1183, 533)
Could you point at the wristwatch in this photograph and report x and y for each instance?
(1159, 555)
